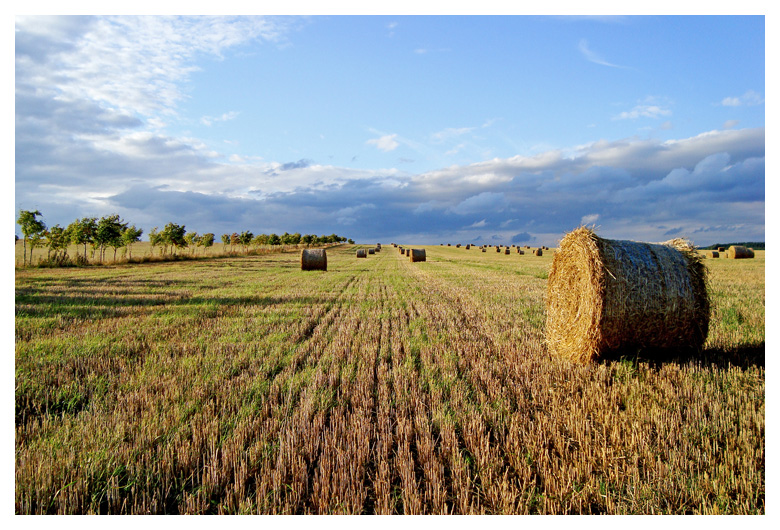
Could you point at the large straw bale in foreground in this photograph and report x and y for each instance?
(606, 297)
(314, 259)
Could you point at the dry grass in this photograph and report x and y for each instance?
(246, 385)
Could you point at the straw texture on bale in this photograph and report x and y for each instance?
(608, 297)
(314, 259)
(418, 254)
(739, 252)
(361, 253)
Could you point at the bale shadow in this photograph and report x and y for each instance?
(743, 356)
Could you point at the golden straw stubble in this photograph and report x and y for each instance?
(607, 296)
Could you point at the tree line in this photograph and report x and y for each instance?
(110, 232)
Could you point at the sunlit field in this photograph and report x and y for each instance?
(245, 385)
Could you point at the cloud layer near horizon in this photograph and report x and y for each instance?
(90, 140)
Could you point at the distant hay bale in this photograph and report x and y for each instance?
(378, 249)
(721, 249)
(407, 252)
(448, 245)
(418, 254)
(520, 251)
(314, 259)
(361, 253)
(484, 249)
(712, 253)
(537, 252)
(468, 247)
(371, 251)
(739, 252)
(506, 251)
(498, 249)
(607, 297)
(457, 246)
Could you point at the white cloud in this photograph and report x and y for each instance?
(451, 132)
(385, 143)
(590, 219)
(592, 56)
(643, 111)
(749, 98)
(227, 116)
(478, 224)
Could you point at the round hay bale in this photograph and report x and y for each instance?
(468, 247)
(361, 253)
(418, 254)
(498, 249)
(314, 259)
(371, 251)
(537, 252)
(605, 297)
(457, 246)
(378, 249)
(407, 252)
(721, 249)
(520, 251)
(739, 252)
(712, 253)
(506, 251)
(484, 249)
(449, 245)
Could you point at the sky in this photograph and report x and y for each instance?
(407, 129)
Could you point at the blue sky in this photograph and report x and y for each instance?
(413, 129)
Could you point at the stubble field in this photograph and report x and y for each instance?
(245, 385)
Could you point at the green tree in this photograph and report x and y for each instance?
(192, 239)
(131, 235)
(225, 241)
(273, 239)
(57, 240)
(235, 239)
(206, 241)
(154, 239)
(32, 230)
(82, 231)
(246, 239)
(109, 234)
(173, 235)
